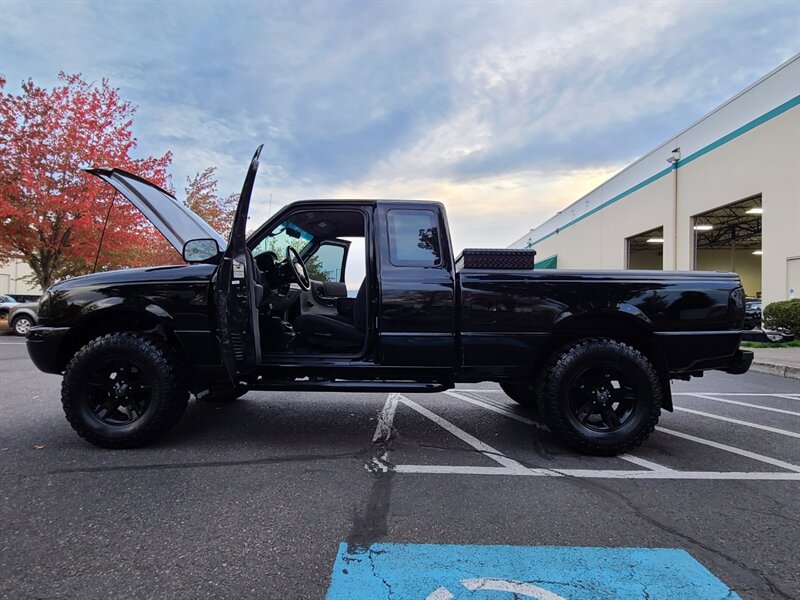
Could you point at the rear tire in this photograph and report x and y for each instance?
(123, 390)
(601, 396)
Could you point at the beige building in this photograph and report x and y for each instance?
(724, 194)
(12, 280)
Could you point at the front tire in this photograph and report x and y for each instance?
(601, 396)
(123, 390)
(21, 325)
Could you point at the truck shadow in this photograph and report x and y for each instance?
(278, 420)
(292, 422)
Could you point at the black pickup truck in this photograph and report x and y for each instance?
(590, 353)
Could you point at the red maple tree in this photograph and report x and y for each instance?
(202, 198)
(52, 214)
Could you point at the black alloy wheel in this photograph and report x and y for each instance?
(118, 391)
(602, 398)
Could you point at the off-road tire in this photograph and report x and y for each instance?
(556, 393)
(161, 367)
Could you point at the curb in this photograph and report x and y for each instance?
(772, 369)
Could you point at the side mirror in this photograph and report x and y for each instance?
(195, 251)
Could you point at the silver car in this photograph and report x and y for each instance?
(22, 316)
(6, 302)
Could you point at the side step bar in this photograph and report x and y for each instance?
(342, 385)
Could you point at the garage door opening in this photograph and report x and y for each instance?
(728, 238)
(646, 250)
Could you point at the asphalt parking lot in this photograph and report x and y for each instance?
(345, 495)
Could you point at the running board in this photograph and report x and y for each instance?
(339, 385)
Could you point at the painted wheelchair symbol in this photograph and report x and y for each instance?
(519, 589)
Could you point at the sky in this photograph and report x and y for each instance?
(506, 112)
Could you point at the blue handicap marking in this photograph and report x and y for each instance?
(450, 572)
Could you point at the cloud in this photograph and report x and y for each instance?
(507, 112)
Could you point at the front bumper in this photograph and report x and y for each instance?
(740, 363)
(44, 347)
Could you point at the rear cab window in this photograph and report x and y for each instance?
(413, 238)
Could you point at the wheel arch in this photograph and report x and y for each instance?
(25, 312)
(118, 318)
(622, 326)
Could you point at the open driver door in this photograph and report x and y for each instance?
(238, 293)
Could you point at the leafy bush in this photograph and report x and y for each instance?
(783, 316)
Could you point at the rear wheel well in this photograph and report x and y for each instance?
(615, 327)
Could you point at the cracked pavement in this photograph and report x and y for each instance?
(252, 499)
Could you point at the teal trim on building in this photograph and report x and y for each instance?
(550, 262)
(775, 112)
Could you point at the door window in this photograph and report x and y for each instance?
(413, 238)
(327, 263)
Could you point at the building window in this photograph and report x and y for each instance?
(646, 250)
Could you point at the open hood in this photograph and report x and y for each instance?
(175, 221)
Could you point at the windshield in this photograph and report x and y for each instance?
(283, 235)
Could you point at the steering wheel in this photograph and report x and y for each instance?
(298, 268)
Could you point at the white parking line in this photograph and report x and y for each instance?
(747, 404)
(647, 464)
(746, 453)
(599, 473)
(510, 467)
(383, 430)
(788, 396)
(485, 449)
(739, 422)
(493, 408)
(630, 458)
(793, 396)
(469, 470)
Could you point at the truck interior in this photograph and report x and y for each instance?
(314, 301)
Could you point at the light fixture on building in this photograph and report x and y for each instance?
(703, 227)
(757, 252)
(655, 241)
(676, 156)
(755, 211)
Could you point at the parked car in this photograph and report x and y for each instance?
(765, 336)
(6, 302)
(22, 316)
(752, 313)
(590, 352)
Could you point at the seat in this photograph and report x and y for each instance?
(336, 330)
